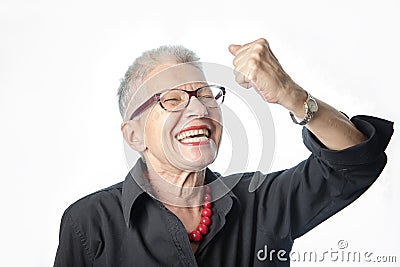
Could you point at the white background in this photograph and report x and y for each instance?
(60, 65)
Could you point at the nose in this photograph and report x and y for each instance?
(196, 108)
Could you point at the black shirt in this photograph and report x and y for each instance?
(123, 226)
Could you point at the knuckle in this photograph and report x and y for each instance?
(238, 74)
(251, 76)
(258, 47)
(253, 63)
(262, 41)
(238, 79)
(256, 57)
(235, 61)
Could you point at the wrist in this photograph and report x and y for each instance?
(294, 101)
(310, 106)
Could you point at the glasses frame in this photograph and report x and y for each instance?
(157, 98)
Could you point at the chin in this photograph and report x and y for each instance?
(194, 158)
(201, 163)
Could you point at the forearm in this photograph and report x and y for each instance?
(257, 66)
(330, 126)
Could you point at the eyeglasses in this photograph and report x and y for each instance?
(177, 99)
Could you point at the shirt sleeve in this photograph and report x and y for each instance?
(298, 199)
(72, 249)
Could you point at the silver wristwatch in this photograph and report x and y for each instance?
(311, 108)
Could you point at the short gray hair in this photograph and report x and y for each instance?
(147, 62)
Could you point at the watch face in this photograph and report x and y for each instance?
(312, 106)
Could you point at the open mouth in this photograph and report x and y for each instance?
(194, 135)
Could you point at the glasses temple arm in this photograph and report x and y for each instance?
(145, 105)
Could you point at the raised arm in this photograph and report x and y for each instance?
(257, 67)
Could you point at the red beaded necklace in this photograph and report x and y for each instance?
(202, 228)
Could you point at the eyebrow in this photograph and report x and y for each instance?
(197, 86)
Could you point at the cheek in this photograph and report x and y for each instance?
(216, 115)
(153, 129)
(158, 127)
(218, 136)
(216, 118)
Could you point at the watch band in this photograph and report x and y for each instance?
(309, 113)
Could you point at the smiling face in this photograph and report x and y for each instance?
(188, 139)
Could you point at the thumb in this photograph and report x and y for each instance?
(234, 49)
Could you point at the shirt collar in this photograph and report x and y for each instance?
(135, 185)
(132, 188)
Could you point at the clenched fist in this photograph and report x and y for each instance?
(257, 67)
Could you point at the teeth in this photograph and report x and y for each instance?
(194, 139)
(189, 133)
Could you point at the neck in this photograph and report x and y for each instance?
(177, 188)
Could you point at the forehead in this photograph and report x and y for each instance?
(167, 76)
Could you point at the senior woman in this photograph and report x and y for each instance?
(166, 212)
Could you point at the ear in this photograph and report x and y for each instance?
(133, 134)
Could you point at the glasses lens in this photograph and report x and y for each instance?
(211, 96)
(174, 100)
